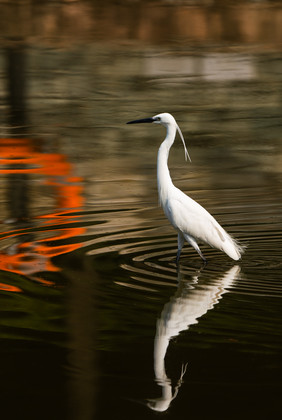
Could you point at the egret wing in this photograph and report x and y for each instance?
(188, 216)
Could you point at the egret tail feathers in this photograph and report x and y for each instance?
(232, 248)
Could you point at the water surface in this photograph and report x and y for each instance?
(96, 320)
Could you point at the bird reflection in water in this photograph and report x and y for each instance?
(190, 302)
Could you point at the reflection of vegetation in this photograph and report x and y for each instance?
(120, 321)
(35, 314)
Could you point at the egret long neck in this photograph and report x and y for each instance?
(163, 175)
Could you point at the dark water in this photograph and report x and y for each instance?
(96, 321)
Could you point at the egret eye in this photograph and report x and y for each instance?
(158, 118)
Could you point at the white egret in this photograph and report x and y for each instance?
(192, 222)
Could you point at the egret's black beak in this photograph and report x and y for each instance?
(144, 120)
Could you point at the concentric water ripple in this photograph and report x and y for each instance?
(146, 246)
(148, 252)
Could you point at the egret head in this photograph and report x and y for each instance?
(167, 120)
(164, 119)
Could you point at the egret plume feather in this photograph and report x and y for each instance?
(184, 145)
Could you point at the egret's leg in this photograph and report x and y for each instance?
(181, 241)
(194, 244)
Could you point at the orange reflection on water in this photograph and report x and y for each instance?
(31, 256)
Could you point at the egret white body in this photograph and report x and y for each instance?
(192, 222)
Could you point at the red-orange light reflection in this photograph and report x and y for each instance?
(22, 156)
